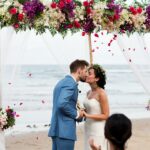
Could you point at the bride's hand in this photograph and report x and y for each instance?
(93, 145)
(85, 114)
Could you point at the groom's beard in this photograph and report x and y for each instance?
(82, 80)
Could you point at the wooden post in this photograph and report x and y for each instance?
(90, 48)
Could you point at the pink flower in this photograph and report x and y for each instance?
(13, 11)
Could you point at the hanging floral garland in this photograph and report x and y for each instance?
(72, 15)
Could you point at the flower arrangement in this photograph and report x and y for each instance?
(7, 118)
(61, 16)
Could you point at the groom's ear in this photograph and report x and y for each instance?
(79, 71)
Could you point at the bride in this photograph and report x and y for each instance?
(96, 108)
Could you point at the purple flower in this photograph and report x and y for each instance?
(115, 7)
(89, 26)
(147, 21)
(127, 27)
(33, 8)
(13, 114)
(67, 8)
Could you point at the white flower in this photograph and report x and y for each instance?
(100, 5)
(3, 119)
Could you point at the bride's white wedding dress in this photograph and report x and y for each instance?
(92, 128)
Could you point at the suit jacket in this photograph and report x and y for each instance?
(64, 113)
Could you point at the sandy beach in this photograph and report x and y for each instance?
(140, 139)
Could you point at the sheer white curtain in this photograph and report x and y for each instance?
(136, 50)
(6, 35)
(9, 48)
(15, 51)
(61, 49)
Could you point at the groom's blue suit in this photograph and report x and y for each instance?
(64, 113)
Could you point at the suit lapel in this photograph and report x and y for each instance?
(72, 81)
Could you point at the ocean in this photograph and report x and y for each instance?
(28, 89)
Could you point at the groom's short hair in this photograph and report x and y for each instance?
(78, 64)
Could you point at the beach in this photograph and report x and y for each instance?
(38, 140)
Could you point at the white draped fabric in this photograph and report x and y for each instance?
(137, 53)
(6, 34)
(135, 48)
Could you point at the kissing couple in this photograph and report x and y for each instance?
(65, 113)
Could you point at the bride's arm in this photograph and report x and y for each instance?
(104, 108)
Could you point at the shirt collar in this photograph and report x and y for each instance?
(74, 78)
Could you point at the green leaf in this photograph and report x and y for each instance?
(22, 1)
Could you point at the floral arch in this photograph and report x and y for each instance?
(61, 16)
(73, 16)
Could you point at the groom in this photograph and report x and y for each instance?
(64, 113)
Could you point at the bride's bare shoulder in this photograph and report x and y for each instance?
(102, 93)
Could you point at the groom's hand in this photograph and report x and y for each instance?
(79, 116)
(81, 113)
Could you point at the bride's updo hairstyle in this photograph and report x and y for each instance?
(118, 129)
(99, 73)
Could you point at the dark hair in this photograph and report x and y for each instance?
(78, 64)
(118, 130)
(99, 73)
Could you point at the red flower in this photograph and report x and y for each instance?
(61, 4)
(20, 17)
(16, 26)
(70, 26)
(13, 11)
(88, 10)
(86, 3)
(111, 19)
(91, 2)
(53, 5)
(77, 24)
(133, 10)
(68, 1)
(116, 17)
(139, 10)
